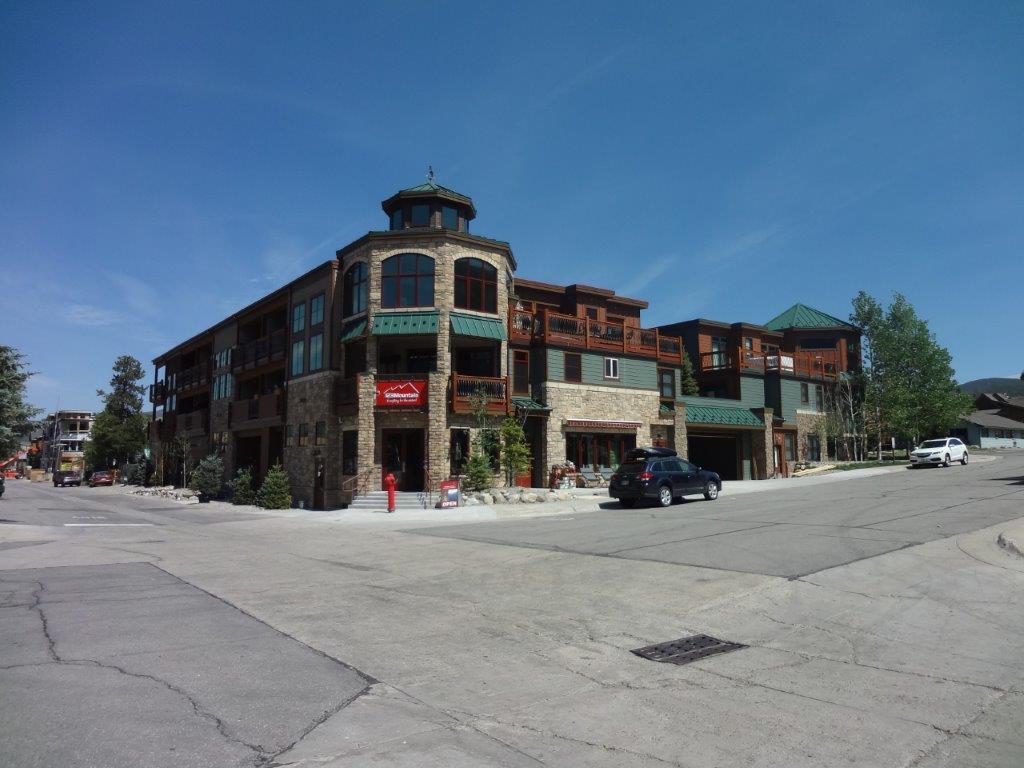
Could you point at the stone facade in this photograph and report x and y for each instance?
(762, 446)
(810, 423)
(578, 401)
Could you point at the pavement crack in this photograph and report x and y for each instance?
(37, 598)
(267, 760)
(196, 707)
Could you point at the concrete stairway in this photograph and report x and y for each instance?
(378, 501)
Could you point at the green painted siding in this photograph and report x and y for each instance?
(790, 398)
(752, 391)
(635, 374)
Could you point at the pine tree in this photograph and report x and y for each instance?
(118, 433)
(15, 414)
(275, 493)
(207, 477)
(515, 452)
(688, 385)
(241, 487)
(479, 475)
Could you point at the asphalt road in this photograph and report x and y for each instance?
(785, 533)
(881, 626)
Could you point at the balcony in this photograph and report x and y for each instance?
(549, 327)
(162, 429)
(467, 392)
(816, 364)
(196, 376)
(346, 395)
(257, 411)
(195, 423)
(264, 350)
(158, 393)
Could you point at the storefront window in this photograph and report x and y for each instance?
(597, 450)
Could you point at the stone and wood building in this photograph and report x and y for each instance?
(390, 357)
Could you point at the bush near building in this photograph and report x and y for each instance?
(241, 487)
(206, 479)
(275, 493)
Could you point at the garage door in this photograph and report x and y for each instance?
(719, 453)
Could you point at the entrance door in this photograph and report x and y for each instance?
(402, 456)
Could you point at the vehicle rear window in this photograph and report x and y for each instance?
(933, 444)
(633, 465)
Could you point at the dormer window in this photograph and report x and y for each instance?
(449, 217)
(397, 220)
(420, 215)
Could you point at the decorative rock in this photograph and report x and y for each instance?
(486, 498)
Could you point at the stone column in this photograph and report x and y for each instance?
(681, 445)
(762, 446)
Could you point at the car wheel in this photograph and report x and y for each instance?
(665, 496)
(628, 503)
(711, 491)
(945, 462)
(963, 460)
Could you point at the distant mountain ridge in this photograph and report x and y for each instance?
(1006, 386)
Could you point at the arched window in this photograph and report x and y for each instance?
(407, 280)
(355, 289)
(476, 285)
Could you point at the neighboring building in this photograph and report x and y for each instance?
(379, 361)
(763, 389)
(997, 422)
(63, 439)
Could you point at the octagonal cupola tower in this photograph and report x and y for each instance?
(429, 206)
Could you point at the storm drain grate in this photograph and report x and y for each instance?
(687, 649)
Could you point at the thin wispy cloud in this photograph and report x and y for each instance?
(92, 316)
(646, 276)
(138, 296)
(738, 246)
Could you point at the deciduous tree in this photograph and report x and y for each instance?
(16, 414)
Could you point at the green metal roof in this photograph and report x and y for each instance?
(528, 404)
(352, 329)
(480, 327)
(405, 323)
(429, 186)
(802, 316)
(713, 414)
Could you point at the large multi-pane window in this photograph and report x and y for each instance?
(813, 448)
(316, 352)
(299, 318)
(355, 290)
(222, 386)
(316, 310)
(320, 433)
(805, 397)
(449, 217)
(476, 285)
(407, 280)
(397, 221)
(298, 357)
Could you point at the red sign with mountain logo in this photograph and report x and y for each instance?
(402, 394)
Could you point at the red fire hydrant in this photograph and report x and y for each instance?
(389, 486)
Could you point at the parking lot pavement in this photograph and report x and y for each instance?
(791, 532)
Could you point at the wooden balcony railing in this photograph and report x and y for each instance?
(256, 409)
(465, 391)
(196, 376)
(821, 364)
(261, 351)
(550, 327)
(158, 393)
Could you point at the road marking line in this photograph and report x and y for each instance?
(106, 525)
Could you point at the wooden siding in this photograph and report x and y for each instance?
(634, 374)
(752, 391)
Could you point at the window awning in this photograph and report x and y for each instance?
(480, 327)
(528, 404)
(601, 425)
(352, 329)
(404, 323)
(723, 415)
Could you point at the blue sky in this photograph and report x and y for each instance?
(162, 165)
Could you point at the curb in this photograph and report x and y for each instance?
(1010, 545)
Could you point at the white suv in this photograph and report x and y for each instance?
(941, 451)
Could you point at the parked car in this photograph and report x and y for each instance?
(102, 477)
(66, 477)
(660, 475)
(941, 451)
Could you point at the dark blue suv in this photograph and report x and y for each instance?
(660, 475)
